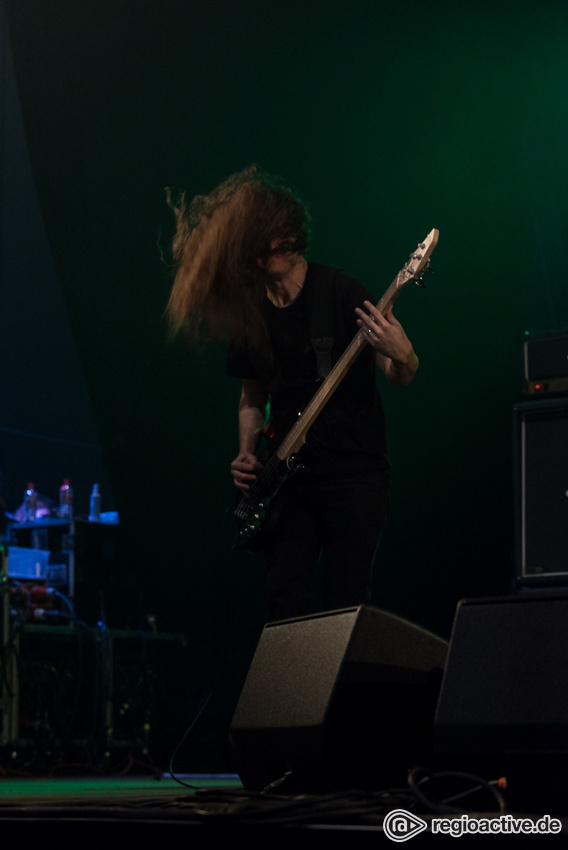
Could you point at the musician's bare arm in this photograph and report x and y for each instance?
(394, 354)
(252, 406)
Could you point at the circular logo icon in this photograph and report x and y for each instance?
(400, 825)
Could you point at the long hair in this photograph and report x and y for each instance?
(219, 285)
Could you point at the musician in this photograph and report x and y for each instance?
(242, 274)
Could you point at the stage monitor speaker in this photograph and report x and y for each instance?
(340, 699)
(504, 688)
(503, 708)
(541, 491)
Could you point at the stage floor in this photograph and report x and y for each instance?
(146, 810)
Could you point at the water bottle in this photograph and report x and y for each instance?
(95, 505)
(30, 503)
(66, 500)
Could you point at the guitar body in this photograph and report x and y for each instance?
(256, 513)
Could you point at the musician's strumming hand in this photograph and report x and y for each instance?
(244, 470)
(394, 353)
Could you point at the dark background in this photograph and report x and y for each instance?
(390, 118)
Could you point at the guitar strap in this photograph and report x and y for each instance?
(320, 311)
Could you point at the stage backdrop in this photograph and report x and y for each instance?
(391, 118)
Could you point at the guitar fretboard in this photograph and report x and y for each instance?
(296, 437)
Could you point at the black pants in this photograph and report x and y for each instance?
(340, 517)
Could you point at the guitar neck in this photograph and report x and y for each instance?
(296, 437)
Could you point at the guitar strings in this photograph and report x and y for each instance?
(256, 490)
(265, 473)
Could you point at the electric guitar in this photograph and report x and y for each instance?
(253, 510)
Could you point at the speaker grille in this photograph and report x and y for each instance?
(503, 689)
(342, 699)
(541, 491)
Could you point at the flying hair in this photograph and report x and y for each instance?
(219, 285)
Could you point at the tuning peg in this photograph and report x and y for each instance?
(420, 280)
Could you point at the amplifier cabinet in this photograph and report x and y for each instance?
(545, 357)
(540, 434)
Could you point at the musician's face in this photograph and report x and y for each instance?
(281, 259)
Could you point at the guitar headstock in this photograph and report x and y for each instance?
(418, 261)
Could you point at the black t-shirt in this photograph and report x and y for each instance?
(349, 434)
